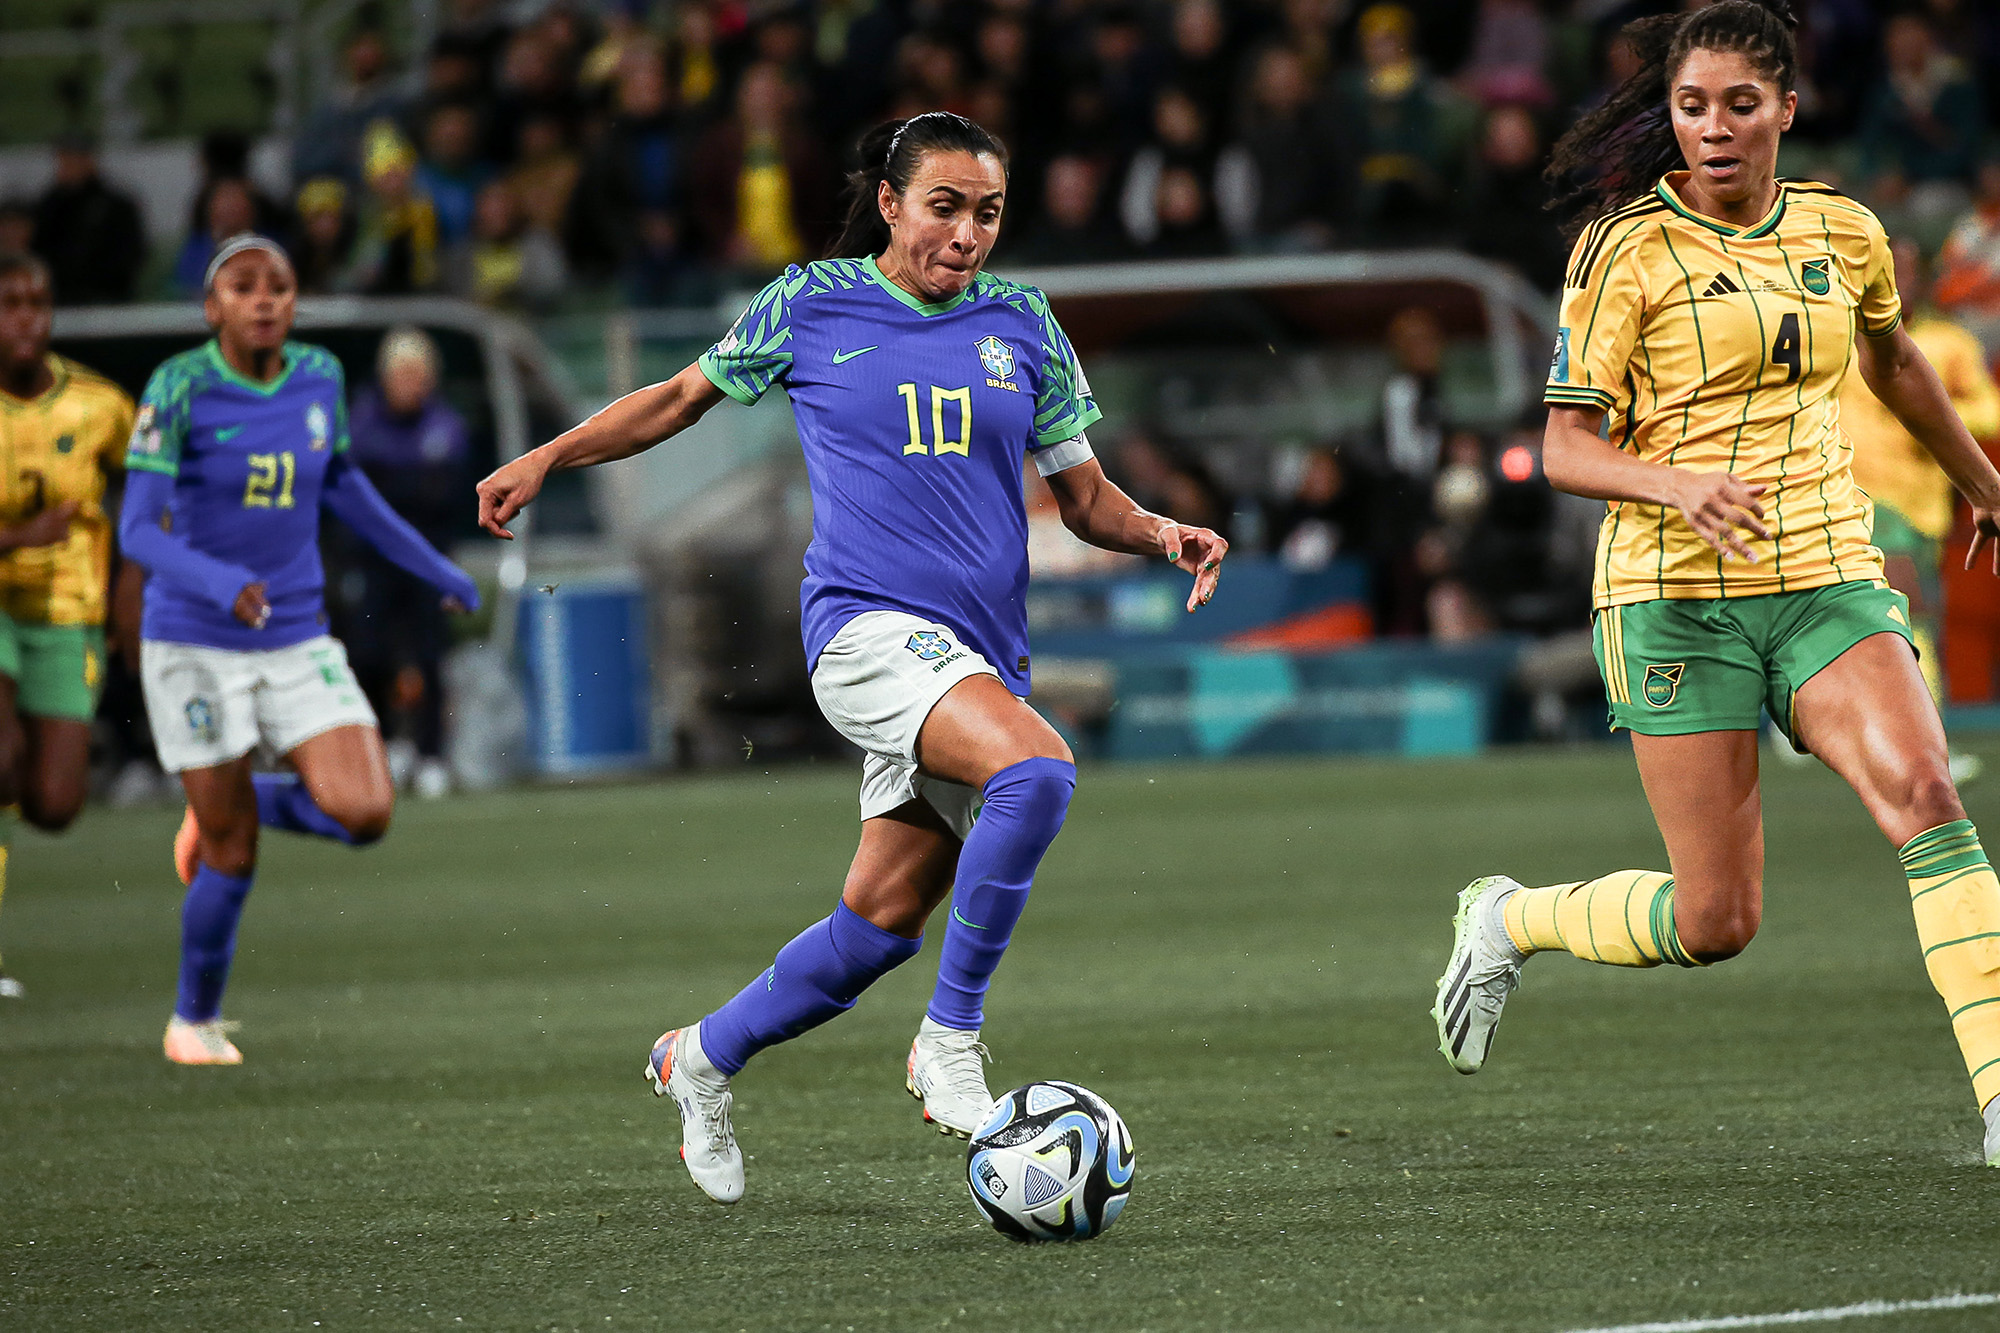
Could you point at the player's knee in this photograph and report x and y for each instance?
(52, 811)
(366, 820)
(231, 849)
(1722, 930)
(1930, 797)
(1040, 787)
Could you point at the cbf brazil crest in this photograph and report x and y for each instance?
(997, 357)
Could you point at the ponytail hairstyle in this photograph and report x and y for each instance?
(891, 152)
(1614, 154)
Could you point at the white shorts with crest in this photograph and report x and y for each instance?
(211, 705)
(876, 681)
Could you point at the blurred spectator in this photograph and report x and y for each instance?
(1310, 31)
(626, 218)
(1920, 134)
(507, 261)
(536, 81)
(930, 76)
(452, 172)
(1502, 209)
(1053, 550)
(1412, 421)
(624, 30)
(231, 208)
(454, 71)
(1280, 185)
(763, 191)
(1460, 490)
(1510, 55)
(1072, 227)
(1167, 204)
(225, 156)
(329, 143)
(325, 243)
(1391, 106)
(90, 234)
(1968, 283)
(396, 250)
(1166, 484)
(412, 445)
(1332, 511)
(1199, 59)
(545, 174)
(17, 228)
(477, 35)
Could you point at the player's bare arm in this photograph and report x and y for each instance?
(47, 528)
(632, 425)
(1718, 506)
(1097, 511)
(1898, 373)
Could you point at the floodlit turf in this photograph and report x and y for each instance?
(443, 1123)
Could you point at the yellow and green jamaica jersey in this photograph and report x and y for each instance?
(57, 447)
(1722, 349)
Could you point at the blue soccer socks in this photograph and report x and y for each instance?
(284, 803)
(818, 975)
(209, 915)
(1025, 805)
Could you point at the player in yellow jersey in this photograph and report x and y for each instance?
(1913, 498)
(62, 437)
(1709, 317)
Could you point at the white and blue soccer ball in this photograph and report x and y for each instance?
(1052, 1162)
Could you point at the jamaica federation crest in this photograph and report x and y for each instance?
(1662, 683)
(1816, 276)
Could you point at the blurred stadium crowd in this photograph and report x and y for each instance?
(653, 152)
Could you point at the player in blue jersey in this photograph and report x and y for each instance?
(918, 382)
(237, 446)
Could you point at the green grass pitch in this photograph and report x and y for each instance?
(442, 1123)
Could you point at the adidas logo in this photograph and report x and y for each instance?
(1722, 286)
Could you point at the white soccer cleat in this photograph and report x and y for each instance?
(946, 1075)
(1483, 970)
(200, 1043)
(708, 1140)
(11, 989)
(1993, 1132)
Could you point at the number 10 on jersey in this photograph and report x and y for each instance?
(939, 445)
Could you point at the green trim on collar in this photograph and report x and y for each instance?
(1765, 227)
(232, 375)
(874, 270)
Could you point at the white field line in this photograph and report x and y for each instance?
(1828, 1315)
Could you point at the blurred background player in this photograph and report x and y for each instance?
(412, 444)
(1913, 497)
(1712, 318)
(62, 438)
(919, 383)
(238, 444)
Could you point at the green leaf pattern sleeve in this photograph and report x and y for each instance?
(757, 352)
(1064, 408)
(160, 429)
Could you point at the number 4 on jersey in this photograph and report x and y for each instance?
(1785, 351)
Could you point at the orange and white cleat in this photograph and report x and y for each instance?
(679, 1069)
(187, 846)
(201, 1043)
(945, 1073)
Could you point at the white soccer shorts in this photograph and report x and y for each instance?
(877, 681)
(211, 705)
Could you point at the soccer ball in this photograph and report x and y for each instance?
(1052, 1162)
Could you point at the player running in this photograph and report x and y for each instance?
(238, 444)
(63, 431)
(1711, 319)
(919, 382)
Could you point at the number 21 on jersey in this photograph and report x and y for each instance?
(961, 443)
(269, 485)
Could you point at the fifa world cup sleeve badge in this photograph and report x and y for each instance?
(1559, 359)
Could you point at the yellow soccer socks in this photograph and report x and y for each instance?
(1625, 919)
(1956, 899)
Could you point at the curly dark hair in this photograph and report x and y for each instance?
(1614, 154)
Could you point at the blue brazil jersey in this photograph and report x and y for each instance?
(247, 461)
(914, 420)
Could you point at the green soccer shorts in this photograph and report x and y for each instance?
(57, 670)
(1713, 664)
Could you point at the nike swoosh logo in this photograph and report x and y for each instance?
(962, 921)
(226, 433)
(840, 356)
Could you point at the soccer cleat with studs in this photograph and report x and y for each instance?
(1993, 1132)
(201, 1043)
(945, 1074)
(11, 988)
(708, 1140)
(1484, 968)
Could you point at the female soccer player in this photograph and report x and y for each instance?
(1711, 318)
(919, 382)
(62, 432)
(238, 444)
